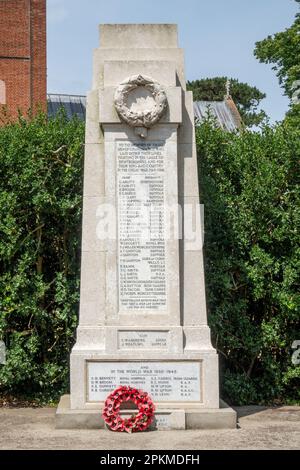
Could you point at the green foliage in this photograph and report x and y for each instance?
(245, 97)
(292, 117)
(250, 189)
(40, 204)
(283, 50)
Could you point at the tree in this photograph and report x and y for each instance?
(246, 97)
(283, 50)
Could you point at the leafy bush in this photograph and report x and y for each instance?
(40, 205)
(250, 189)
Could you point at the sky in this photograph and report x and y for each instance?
(218, 37)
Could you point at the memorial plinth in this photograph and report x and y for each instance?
(143, 318)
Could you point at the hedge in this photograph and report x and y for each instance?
(40, 204)
(249, 188)
(250, 191)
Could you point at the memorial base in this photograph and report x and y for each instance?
(165, 419)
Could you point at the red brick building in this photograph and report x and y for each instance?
(23, 82)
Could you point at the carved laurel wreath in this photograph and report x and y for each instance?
(145, 118)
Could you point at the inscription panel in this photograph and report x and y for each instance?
(141, 227)
(162, 421)
(164, 381)
(143, 339)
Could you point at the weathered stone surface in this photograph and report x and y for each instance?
(259, 428)
(128, 36)
(223, 417)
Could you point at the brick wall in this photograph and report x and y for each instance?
(23, 54)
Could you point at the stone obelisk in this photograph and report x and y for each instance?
(143, 319)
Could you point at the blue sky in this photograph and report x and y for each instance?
(218, 37)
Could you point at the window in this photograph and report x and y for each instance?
(2, 92)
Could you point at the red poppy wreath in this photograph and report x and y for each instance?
(139, 422)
